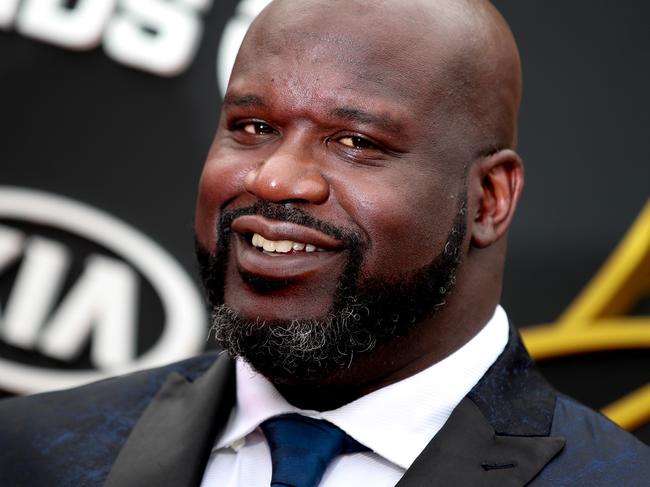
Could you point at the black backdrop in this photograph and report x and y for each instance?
(79, 124)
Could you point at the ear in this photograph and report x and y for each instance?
(496, 184)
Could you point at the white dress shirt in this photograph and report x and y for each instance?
(395, 422)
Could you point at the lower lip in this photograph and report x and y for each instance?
(278, 266)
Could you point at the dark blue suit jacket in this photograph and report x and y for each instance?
(157, 427)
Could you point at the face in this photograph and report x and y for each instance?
(330, 159)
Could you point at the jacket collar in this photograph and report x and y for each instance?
(499, 434)
(171, 443)
(468, 452)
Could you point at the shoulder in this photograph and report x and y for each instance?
(597, 451)
(128, 389)
(76, 433)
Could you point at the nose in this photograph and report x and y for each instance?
(285, 178)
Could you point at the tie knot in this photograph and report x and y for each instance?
(302, 448)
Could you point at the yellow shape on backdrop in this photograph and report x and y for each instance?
(596, 320)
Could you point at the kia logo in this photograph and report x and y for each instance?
(58, 307)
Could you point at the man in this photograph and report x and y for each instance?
(351, 229)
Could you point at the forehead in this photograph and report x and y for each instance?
(319, 57)
(320, 89)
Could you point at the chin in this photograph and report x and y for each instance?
(291, 351)
(275, 302)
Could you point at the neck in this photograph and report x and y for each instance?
(426, 343)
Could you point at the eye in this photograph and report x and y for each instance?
(356, 142)
(256, 128)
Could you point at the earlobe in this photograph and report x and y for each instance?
(497, 182)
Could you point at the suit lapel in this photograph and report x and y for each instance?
(499, 434)
(467, 451)
(170, 444)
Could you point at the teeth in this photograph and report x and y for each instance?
(282, 246)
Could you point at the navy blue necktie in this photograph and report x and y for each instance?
(302, 448)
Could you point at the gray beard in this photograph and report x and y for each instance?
(363, 315)
(297, 349)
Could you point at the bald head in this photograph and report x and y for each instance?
(389, 125)
(457, 56)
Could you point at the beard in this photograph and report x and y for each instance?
(364, 314)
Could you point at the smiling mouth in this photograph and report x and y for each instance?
(284, 251)
(282, 237)
(280, 247)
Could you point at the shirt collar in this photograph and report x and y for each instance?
(377, 420)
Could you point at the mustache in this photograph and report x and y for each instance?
(286, 212)
(212, 263)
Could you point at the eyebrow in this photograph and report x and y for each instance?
(350, 114)
(360, 116)
(244, 100)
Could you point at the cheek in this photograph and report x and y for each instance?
(407, 223)
(221, 182)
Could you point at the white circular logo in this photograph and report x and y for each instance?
(232, 37)
(98, 312)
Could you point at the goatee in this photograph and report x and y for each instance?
(363, 315)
